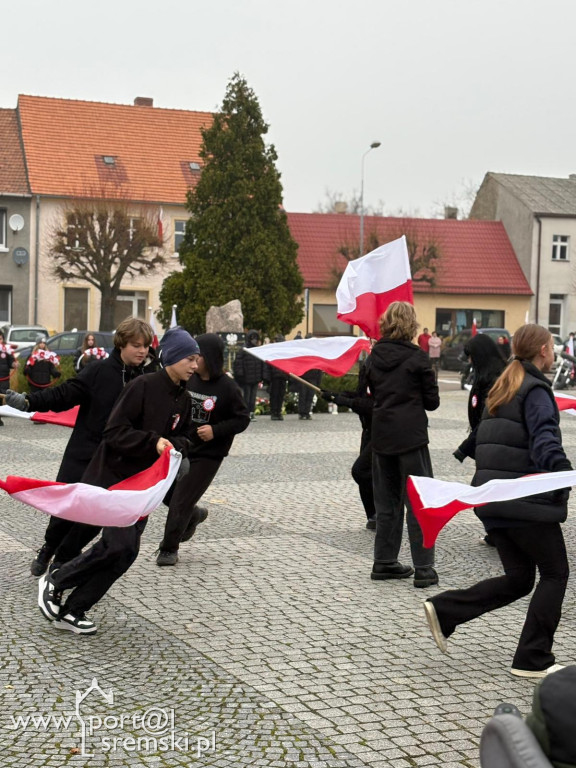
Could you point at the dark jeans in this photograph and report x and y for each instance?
(362, 474)
(390, 474)
(249, 391)
(67, 539)
(187, 493)
(277, 393)
(91, 574)
(521, 551)
(305, 397)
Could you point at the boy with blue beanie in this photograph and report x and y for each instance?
(151, 415)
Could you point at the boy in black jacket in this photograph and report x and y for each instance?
(151, 415)
(218, 413)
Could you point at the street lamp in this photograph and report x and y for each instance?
(374, 145)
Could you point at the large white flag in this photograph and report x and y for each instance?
(370, 284)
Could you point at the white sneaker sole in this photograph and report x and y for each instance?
(434, 624)
(530, 674)
(45, 607)
(77, 630)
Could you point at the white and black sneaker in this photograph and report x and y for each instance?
(49, 598)
(80, 624)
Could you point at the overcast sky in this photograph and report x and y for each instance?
(452, 88)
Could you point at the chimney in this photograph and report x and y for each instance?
(340, 206)
(450, 212)
(143, 101)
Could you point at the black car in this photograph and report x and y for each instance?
(66, 343)
(450, 358)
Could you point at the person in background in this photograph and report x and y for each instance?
(218, 415)
(404, 387)
(306, 395)
(424, 341)
(7, 363)
(570, 345)
(40, 370)
(249, 371)
(518, 435)
(277, 380)
(504, 347)
(434, 349)
(80, 360)
(298, 336)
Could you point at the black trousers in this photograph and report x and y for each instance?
(362, 474)
(67, 539)
(522, 550)
(249, 391)
(277, 394)
(305, 397)
(187, 493)
(91, 574)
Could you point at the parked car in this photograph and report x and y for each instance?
(454, 347)
(68, 342)
(23, 337)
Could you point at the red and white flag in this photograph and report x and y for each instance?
(173, 320)
(334, 355)
(161, 225)
(474, 327)
(153, 326)
(119, 506)
(435, 502)
(371, 283)
(565, 403)
(63, 418)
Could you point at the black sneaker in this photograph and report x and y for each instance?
(382, 571)
(425, 577)
(371, 523)
(49, 598)
(200, 514)
(166, 558)
(40, 562)
(79, 623)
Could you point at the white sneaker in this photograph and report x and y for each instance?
(432, 619)
(49, 598)
(80, 625)
(536, 674)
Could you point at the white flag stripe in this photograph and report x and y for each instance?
(330, 348)
(7, 410)
(379, 271)
(439, 493)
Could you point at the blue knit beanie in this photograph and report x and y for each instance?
(177, 344)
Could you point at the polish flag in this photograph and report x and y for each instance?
(63, 418)
(566, 403)
(173, 321)
(474, 327)
(152, 324)
(435, 502)
(161, 225)
(334, 355)
(119, 506)
(369, 284)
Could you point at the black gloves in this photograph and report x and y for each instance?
(459, 455)
(330, 397)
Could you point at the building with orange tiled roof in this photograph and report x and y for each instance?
(478, 274)
(75, 150)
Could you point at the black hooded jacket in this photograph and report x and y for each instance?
(217, 401)
(249, 369)
(404, 387)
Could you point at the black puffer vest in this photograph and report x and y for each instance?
(503, 452)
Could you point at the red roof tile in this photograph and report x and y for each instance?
(12, 167)
(477, 256)
(65, 140)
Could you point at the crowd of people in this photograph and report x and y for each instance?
(134, 404)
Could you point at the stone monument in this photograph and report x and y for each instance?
(225, 319)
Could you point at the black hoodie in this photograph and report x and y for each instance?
(217, 402)
(404, 387)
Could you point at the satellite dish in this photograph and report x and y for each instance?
(16, 222)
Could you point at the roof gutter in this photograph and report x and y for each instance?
(15, 194)
(539, 254)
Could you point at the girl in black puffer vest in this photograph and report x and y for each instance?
(519, 435)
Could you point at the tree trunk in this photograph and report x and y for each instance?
(107, 306)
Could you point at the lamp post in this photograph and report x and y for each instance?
(374, 145)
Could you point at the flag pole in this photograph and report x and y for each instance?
(306, 383)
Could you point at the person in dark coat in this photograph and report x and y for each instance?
(277, 386)
(404, 387)
(80, 358)
(95, 389)
(306, 395)
(40, 369)
(518, 435)
(218, 415)
(362, 403)
(151, 415)
(7, 363)
(249, 371)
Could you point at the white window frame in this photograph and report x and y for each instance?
(3, 230)
(560, 248)
(178, 234)
(559, 300)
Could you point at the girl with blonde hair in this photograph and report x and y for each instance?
(518, 435)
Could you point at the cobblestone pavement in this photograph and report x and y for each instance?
(268, 645)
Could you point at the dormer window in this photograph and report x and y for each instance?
(109, 160)
(194, 166)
